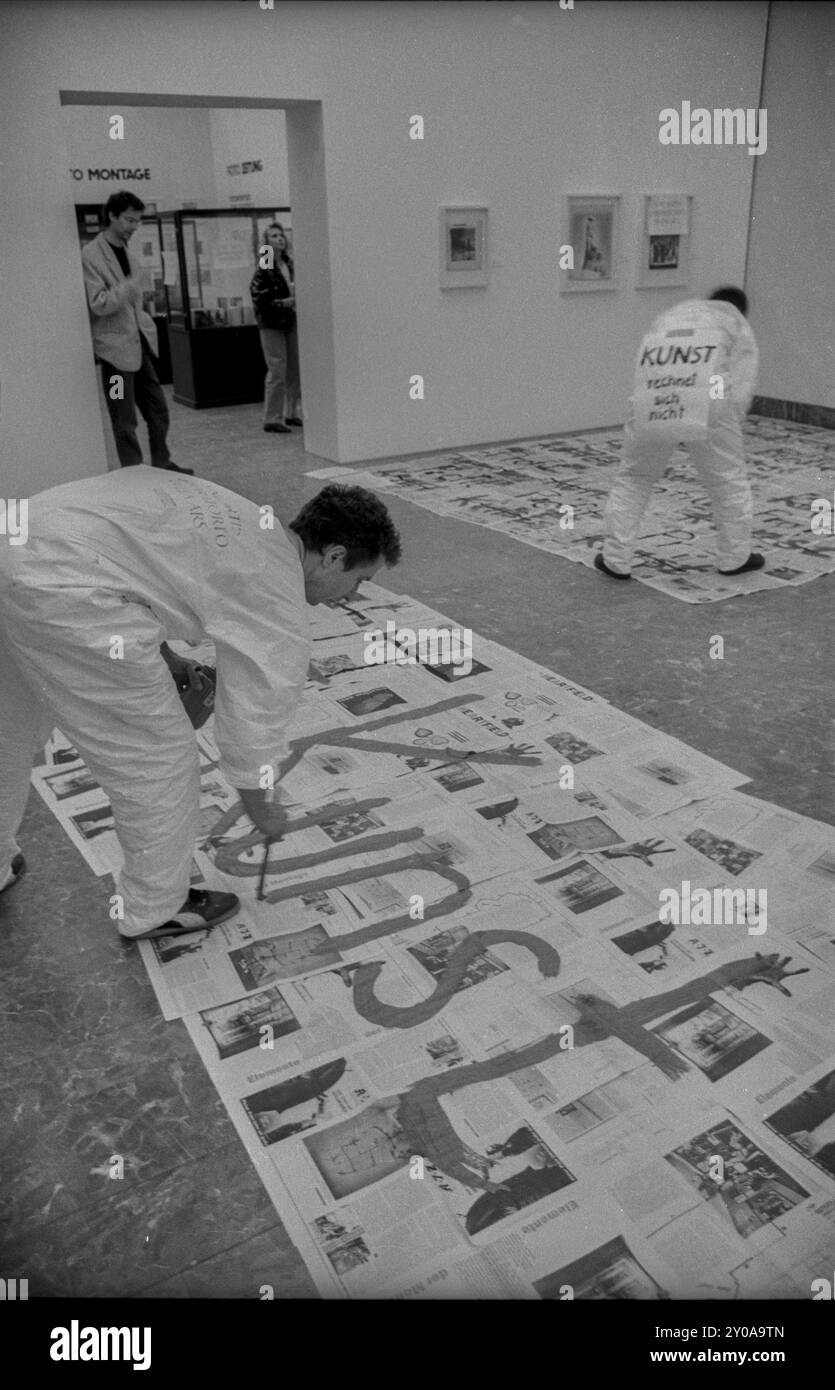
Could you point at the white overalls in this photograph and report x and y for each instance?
(716, 451)
(146, 556)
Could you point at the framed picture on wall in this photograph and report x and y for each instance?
(463, 233)
(665, 236)
(590, 229)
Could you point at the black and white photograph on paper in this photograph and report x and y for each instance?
(751, 1189)
(712, 1038)
(75, 783)
(808, 1123)
(663, 252)
(463, 247)
(255, 1021)
(476, 944)
(610, 1271)
(581, 887)
(96, 821)
(665, 240)
(304, 1102)
(591, 225)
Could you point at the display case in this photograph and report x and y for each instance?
(146, 247)
(209, 257)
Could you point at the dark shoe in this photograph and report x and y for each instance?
(754, 562)
(278, 429)
(293, 420)
(202, 909)
(175, 468)
(600, 564)
(18, 869)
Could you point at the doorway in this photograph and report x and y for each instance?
(308, 199)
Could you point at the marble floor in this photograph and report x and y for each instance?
(90, 1067)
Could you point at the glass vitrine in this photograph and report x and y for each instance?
(209, 258)
(146, 245)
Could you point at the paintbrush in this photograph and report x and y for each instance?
(268, 842)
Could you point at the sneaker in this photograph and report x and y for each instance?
(278, 429)
(175, 468)
(754, 562)
(600, 564)
(16, 871)
(202, 909)
(293, 420)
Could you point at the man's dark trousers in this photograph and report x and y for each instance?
(141, 389)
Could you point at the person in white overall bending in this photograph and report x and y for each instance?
(694, 383)
(113, 567)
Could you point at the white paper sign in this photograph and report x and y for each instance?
(668, 213)
(233, 249)
(672, 395)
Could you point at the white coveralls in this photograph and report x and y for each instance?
(148, 556)
(718, 455)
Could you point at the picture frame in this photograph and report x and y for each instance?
(463, 246)
(591, 227)
(664, 240)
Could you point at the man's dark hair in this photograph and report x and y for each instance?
(118, 203)
(349, 516)
(732, 295)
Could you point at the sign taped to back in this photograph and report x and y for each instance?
(672, 384)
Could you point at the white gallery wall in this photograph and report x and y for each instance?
(522, 104)
(175, 155)
(168, 154)
(791, 264)
(240, 140)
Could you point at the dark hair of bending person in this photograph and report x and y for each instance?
(352, 517)
(731, 295)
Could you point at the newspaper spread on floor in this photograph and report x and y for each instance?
(551, 494)
(543, 1009)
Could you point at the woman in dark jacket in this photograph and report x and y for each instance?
(274, 301)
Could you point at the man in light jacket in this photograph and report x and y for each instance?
(113, 567)
(694, 383)
(125, 336)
